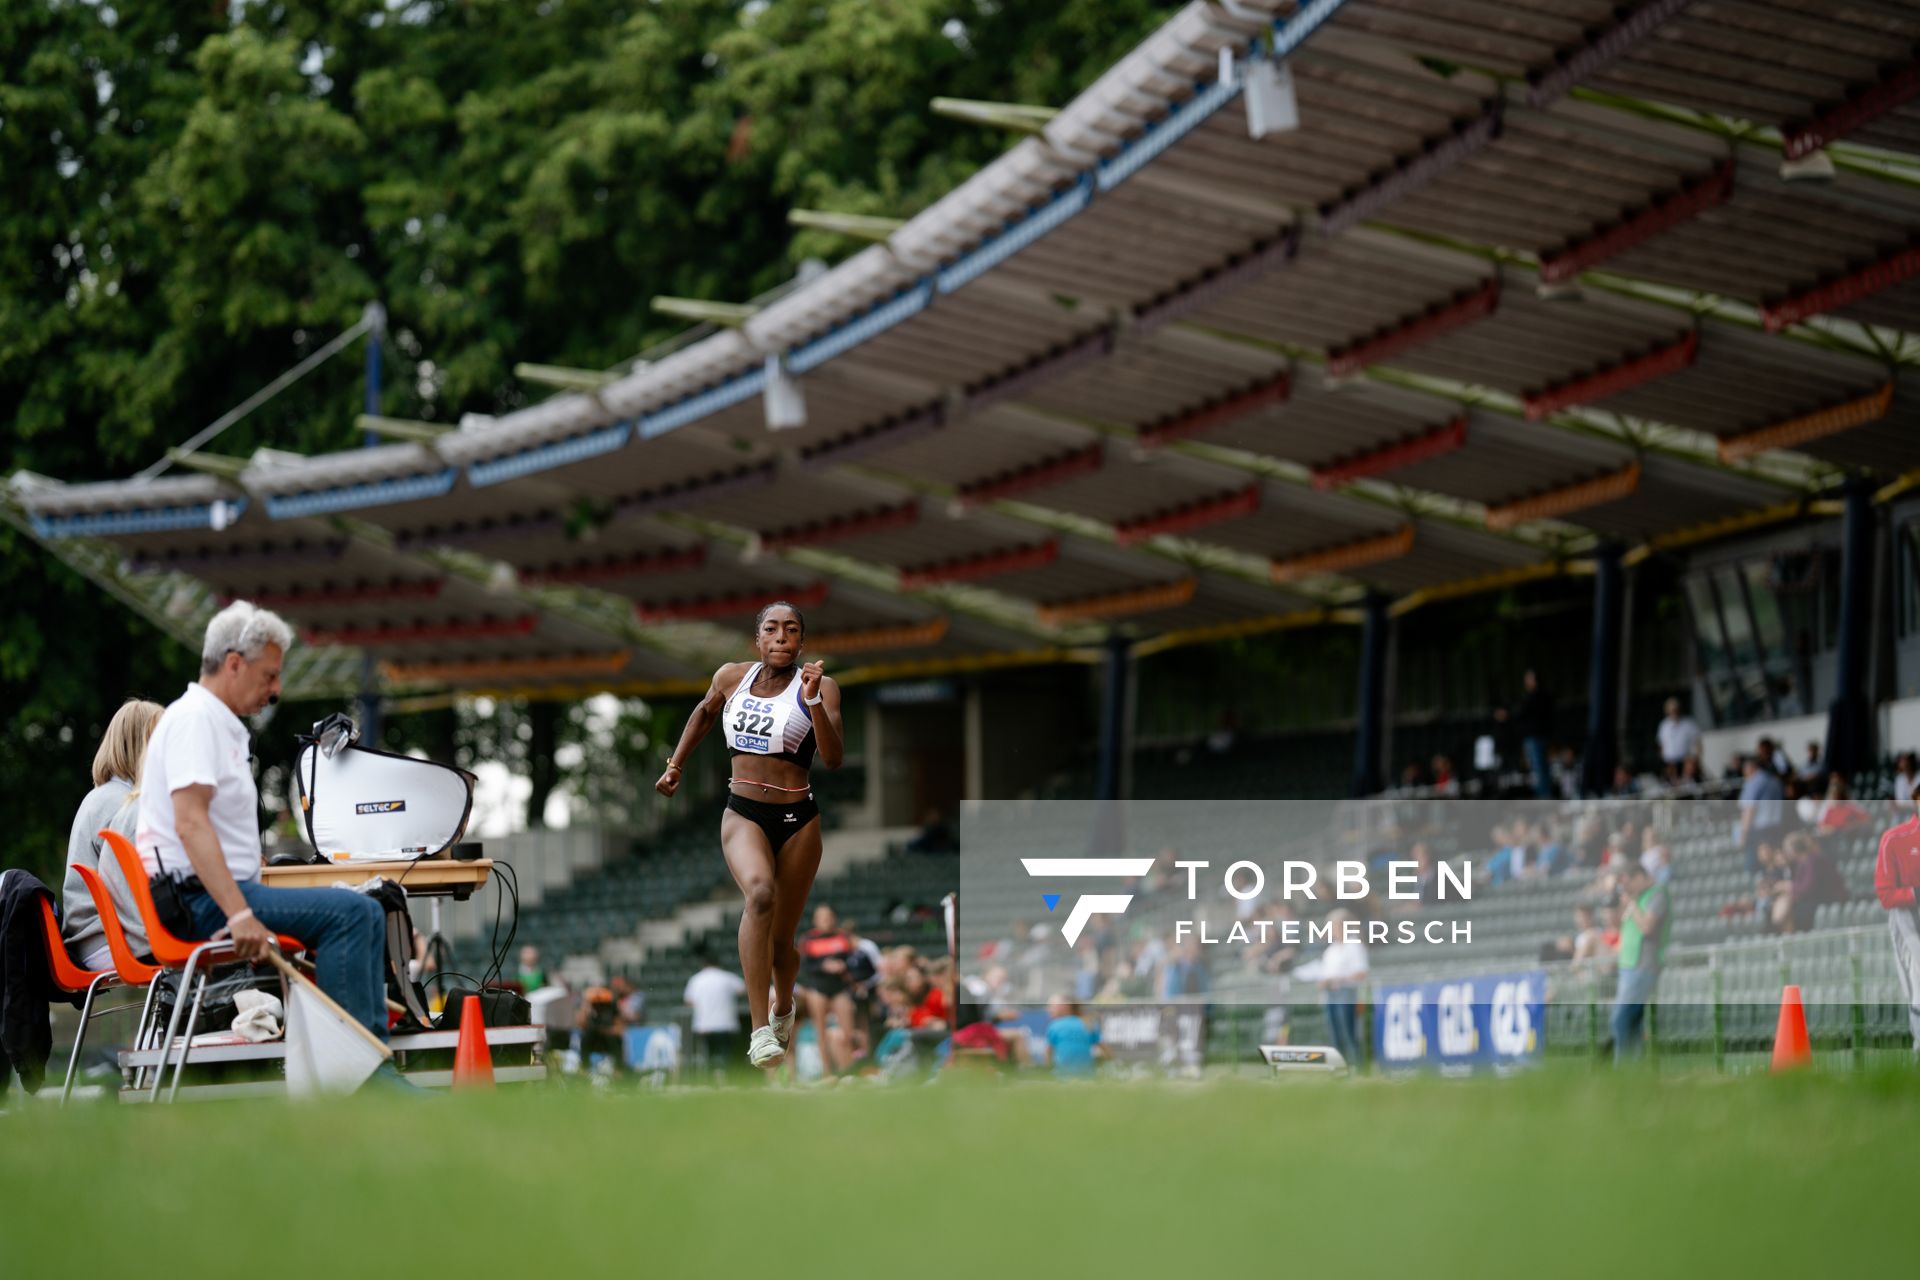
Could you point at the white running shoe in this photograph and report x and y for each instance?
(782, 1023)
(765, 1049)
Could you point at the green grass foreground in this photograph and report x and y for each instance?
(1562, 1174)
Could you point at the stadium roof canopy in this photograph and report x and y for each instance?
(1528, 276)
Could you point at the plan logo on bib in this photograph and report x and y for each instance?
(1088, 905)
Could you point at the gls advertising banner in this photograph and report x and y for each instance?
(1460, 1024)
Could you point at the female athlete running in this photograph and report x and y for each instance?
(774, 713)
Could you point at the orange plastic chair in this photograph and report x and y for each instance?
(132, 971)
(174, 952)
(73, 980)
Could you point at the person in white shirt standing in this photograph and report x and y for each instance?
(199, 823)
(714, 995)
(1341, 970)
(1679, 738)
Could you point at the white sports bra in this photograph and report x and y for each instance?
(780, 727)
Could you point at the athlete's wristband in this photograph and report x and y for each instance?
(814, 701)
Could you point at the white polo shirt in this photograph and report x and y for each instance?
(714, 994)
(199, 742)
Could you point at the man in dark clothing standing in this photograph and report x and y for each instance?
(1533, 721)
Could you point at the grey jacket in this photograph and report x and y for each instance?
(105, 806)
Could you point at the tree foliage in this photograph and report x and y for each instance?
(199, 194)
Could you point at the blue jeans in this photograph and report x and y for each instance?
(1341, 1010)
(1536, 749)
(345, 930)
(1631, 998)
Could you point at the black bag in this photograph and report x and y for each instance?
(170, 904)
(497, 1008)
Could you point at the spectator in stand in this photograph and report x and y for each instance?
(1906, 781)
(1653, 855)
(1340, 971)
(1533, 719)
(532, 974)
(827, 989)
(1594, 948)
(1679, 740)
(1762, 805)
(714, 995)
(1186, 974)
(1838, 812)
(1413, 777)
(1813, 766)
(1815, 880)
(1774, 758)
(598, 1021)
(1646, 922)
(629, 1002)
(1772, 880)
(113, 804)
(1693, 773)
(929, 1001)
(1896, 874)
(934, 836)
(1444, 783)
(1590, 841)
(1072, 1045)
(1624, 781)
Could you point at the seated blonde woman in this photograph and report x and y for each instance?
(113, 804)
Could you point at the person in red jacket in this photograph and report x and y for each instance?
(1896, 875)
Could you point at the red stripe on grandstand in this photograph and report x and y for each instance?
(1193, 515)
(1614, 379)
(729, 605)
(1858, 110)
(1434, 443)
(985, 565)
(840, 528)
(422, 589)
(1444, 318)
(1636, 229)
(1274, 390)
(622, 567)
(1036, 475)
(459, 629)
(1837, 293)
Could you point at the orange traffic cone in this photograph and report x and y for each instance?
(472, 1060)
(1790, 1047)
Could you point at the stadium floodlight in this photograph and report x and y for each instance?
(1272, 106)
(786, 404)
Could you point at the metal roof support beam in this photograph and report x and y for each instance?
(417, 633)
(1118, 604)
(1895, 86)
(1357, 554)
(1573, 497)
(1409, 174)
(363, 593)
(297, 551)
(1192, 515)
(1055, 362)
(416, 673)
(1662, 361)
(917, 635)
(1809, 426)
(1831, 295)
(840, 528)
(1574, 65)
(728, 604)
(889, 432)
(1463, 309)
(1216, 413)
(987, 564)
(1057, 469)
(698, 491)
(616, 567)
(1435, 443)
(1693, 199)
(1204, 290)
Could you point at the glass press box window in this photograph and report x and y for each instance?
(1765, 626)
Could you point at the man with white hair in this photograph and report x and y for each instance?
(200, 823)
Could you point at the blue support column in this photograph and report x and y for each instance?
(1114, 717)
(367, 703)
(1603, 679)
(1849, 731)
(1373, 696)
